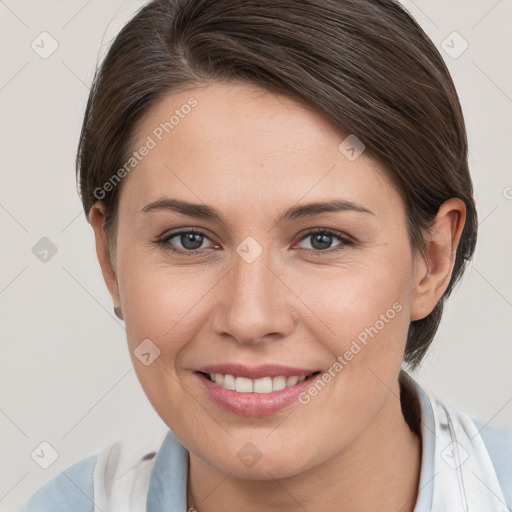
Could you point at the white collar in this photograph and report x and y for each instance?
(457, 474)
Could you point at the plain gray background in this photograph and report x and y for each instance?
(66, 376)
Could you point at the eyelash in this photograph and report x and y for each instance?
(346, 242)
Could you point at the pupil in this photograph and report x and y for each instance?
(323, 239)
(191, 238)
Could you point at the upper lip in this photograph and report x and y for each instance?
(256, 372)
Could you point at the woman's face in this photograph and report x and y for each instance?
(260, 292)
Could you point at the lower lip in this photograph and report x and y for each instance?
(255, 404)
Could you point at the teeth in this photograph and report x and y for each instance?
(264, 385)
(291, 381)
(228, 382)
(243, 385)
(278, 383)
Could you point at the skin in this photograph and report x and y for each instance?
(252, 154)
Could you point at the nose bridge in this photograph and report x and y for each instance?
(254, 303)
(252, 280)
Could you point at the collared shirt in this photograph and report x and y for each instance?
(466, 466)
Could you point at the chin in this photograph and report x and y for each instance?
(252, 463)
(262, 470)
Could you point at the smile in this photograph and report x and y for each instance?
(260, 391)
(262, 385)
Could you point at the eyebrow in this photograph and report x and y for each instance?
(203, 211)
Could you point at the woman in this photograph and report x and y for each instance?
(281, 204)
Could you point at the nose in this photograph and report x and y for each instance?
(255, 303)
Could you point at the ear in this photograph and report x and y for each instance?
(433, 273)
(97, 220)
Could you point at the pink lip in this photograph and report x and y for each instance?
(254, 404)
(258, 372)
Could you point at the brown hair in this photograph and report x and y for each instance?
(364, 65)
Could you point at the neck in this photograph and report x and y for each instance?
(379, 471)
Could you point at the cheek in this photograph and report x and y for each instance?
(362, 320)
(366, 297)
(162, 301)
(161, 304)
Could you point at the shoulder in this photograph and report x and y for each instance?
(116, 477)
(71, 490)
(489, 445)
(123, 471)
(498, 441)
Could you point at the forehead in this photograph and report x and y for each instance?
(229, 143)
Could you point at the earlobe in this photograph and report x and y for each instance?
(432, 274)
(97, 220)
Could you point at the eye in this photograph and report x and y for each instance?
(191, 241)
(321, 240)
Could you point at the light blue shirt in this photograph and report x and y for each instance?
(466, 466)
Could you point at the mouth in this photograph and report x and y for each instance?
(255, 391)
(262, 385)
